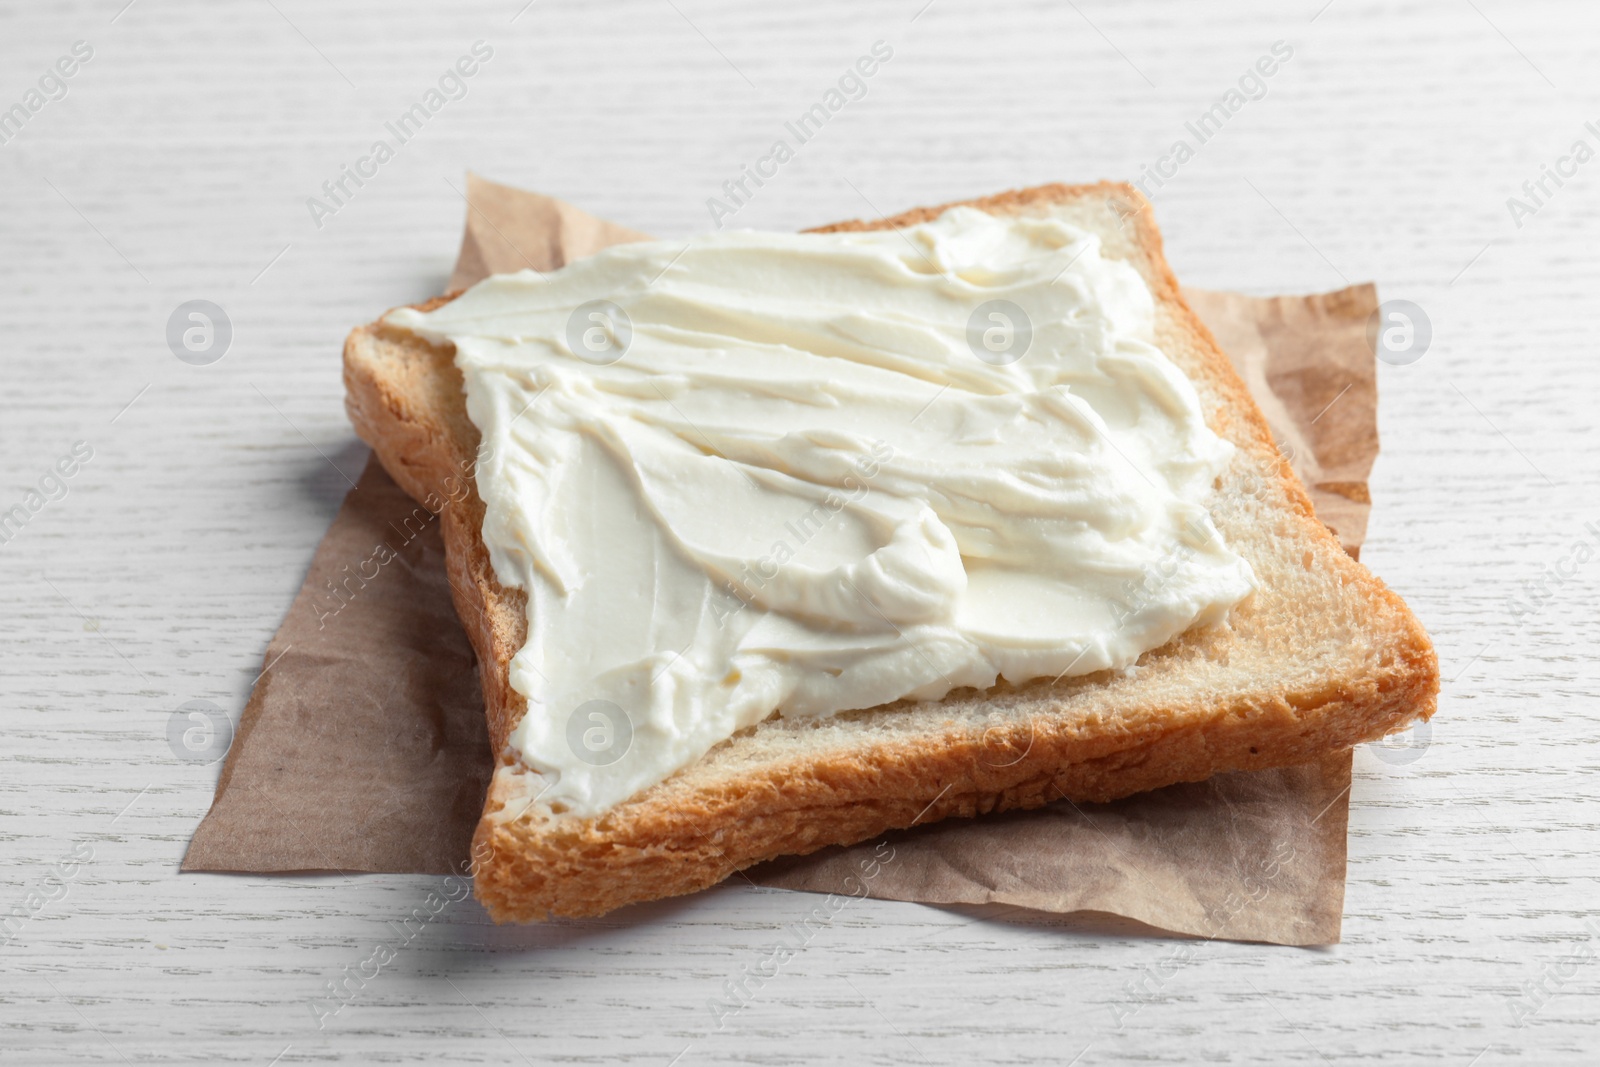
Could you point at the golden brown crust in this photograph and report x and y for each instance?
(1191, 709)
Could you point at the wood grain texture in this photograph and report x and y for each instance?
(177, 167)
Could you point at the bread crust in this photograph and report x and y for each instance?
(1324, 657)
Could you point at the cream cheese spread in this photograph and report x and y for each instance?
(756, 472)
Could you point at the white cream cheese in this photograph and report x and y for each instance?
(798, 487)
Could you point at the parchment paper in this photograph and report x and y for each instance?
(363, 745)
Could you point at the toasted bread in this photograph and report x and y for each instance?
(1323, 656)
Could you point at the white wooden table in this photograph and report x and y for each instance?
(178, 166)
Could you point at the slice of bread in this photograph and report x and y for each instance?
(1322, 657)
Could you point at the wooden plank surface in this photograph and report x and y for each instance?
(177, 167)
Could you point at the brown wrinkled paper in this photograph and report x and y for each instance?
(363, 746)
